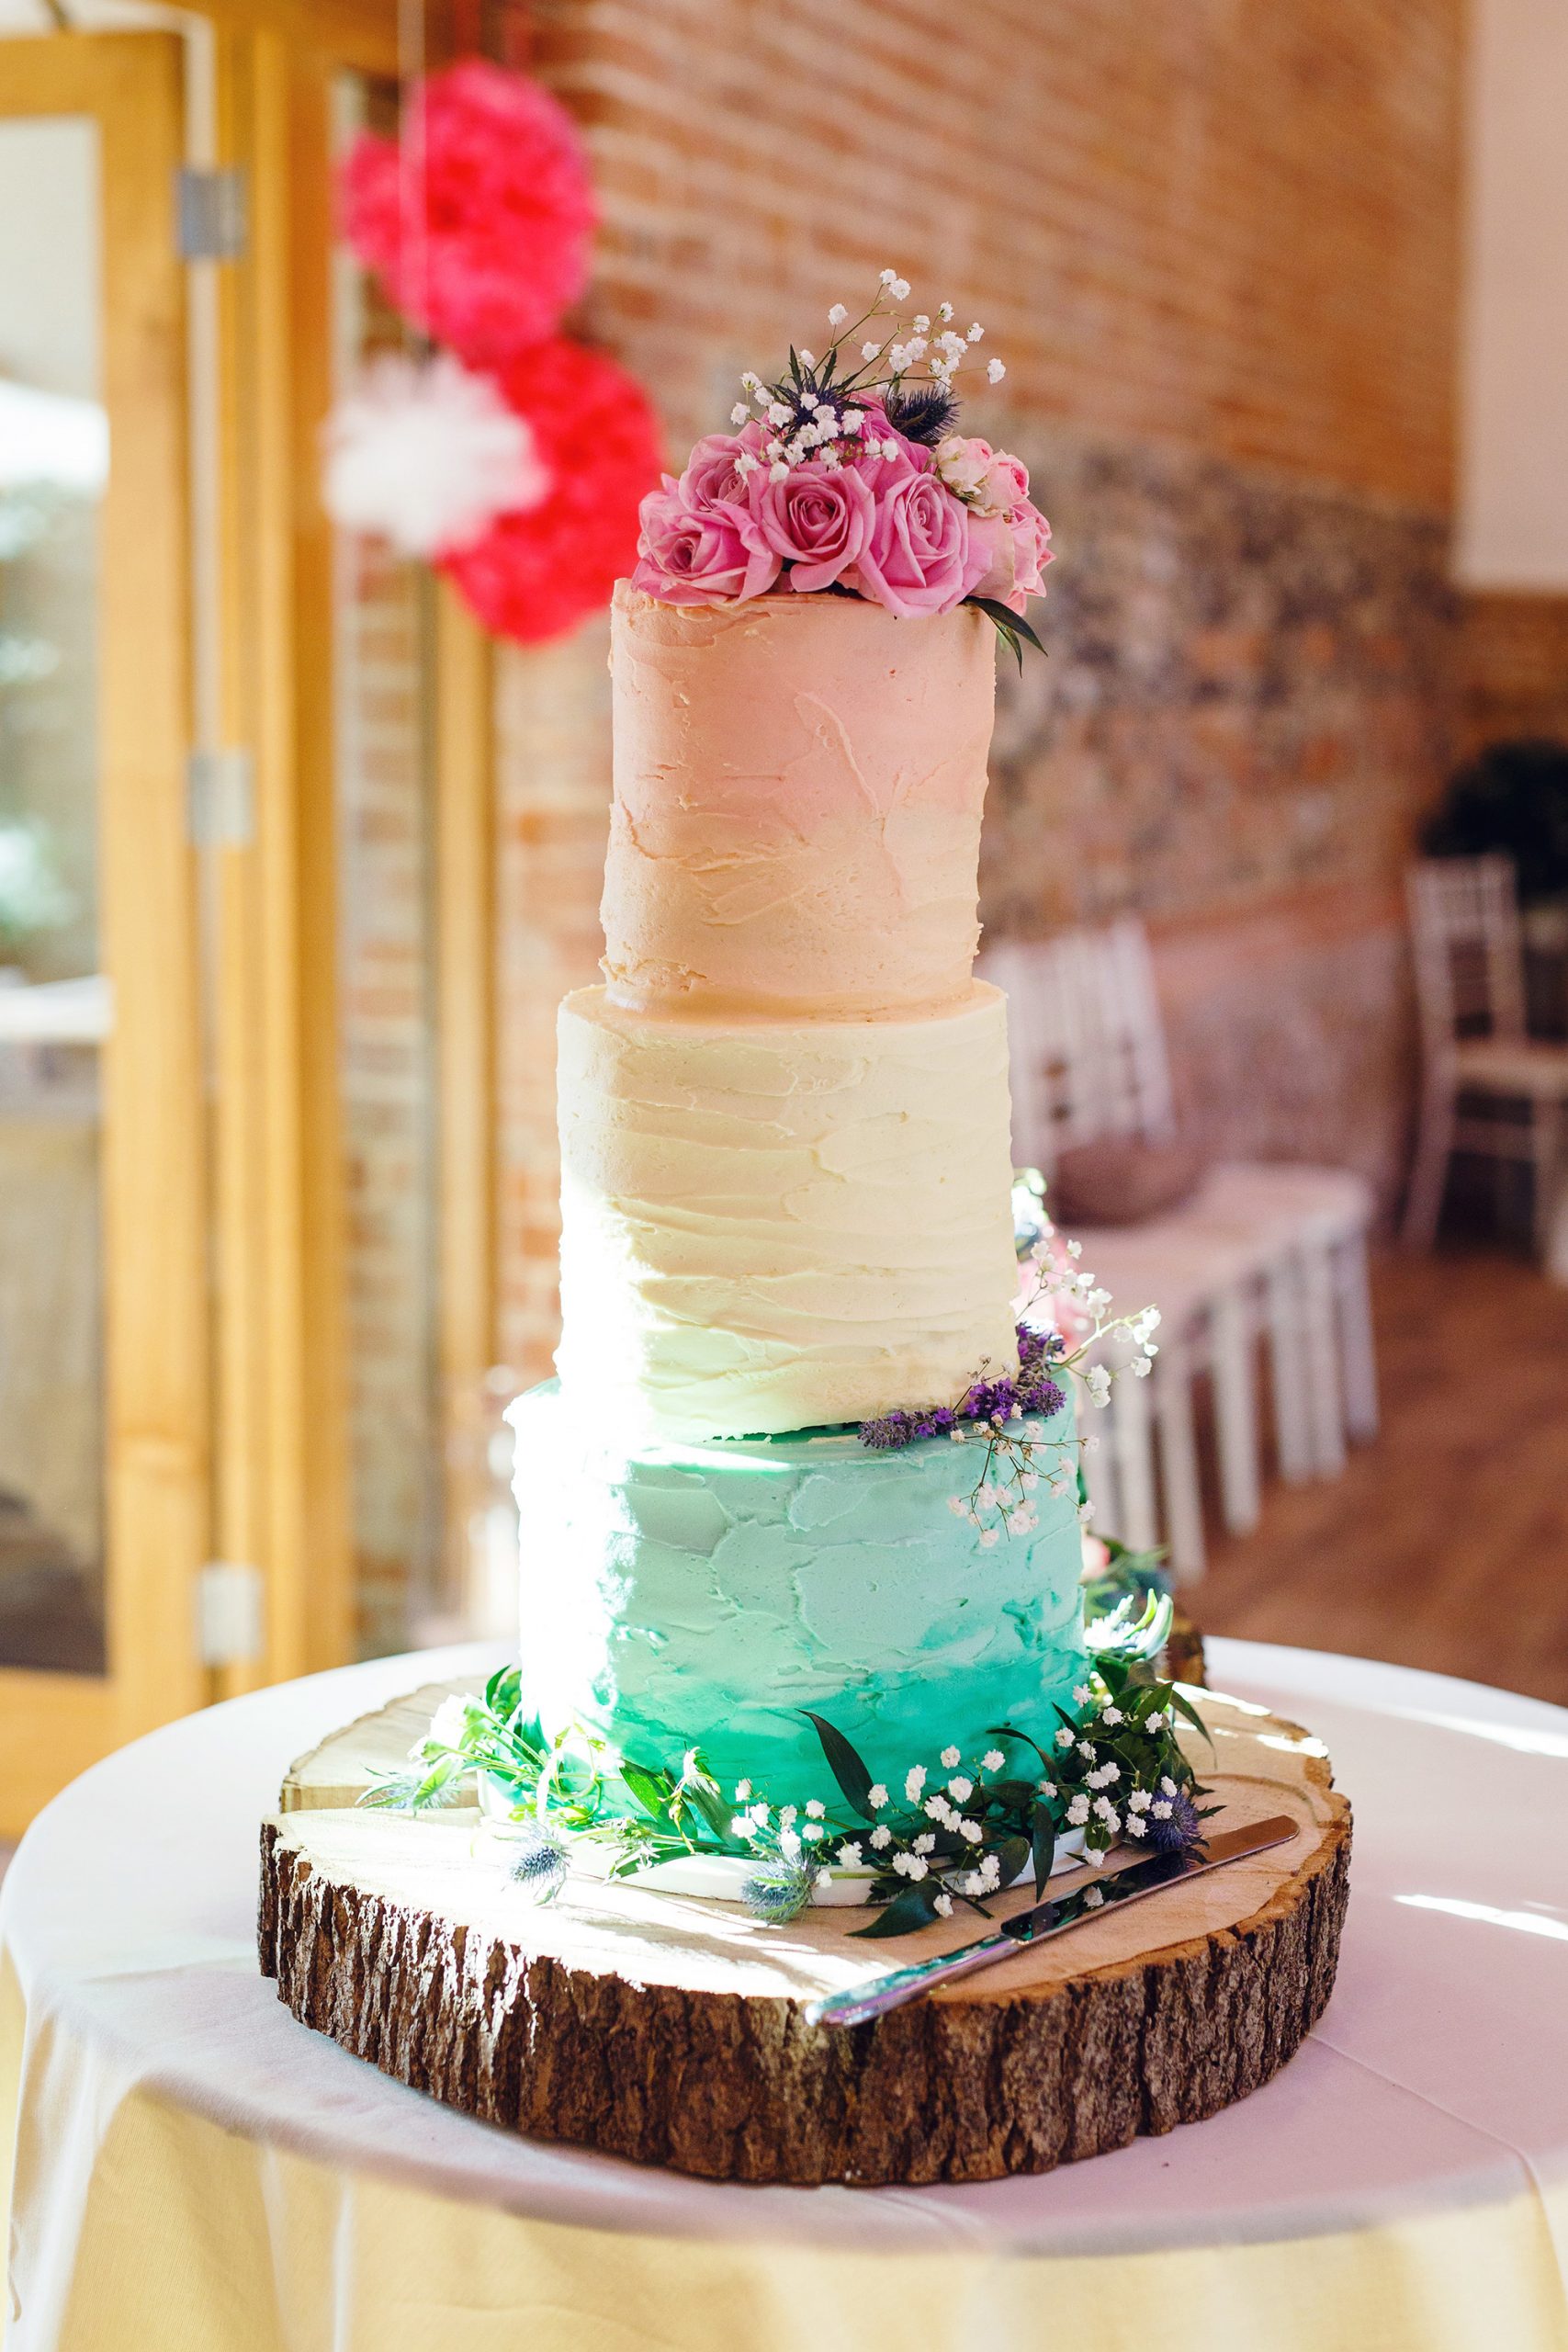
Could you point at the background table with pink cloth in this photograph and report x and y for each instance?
(195, 2172)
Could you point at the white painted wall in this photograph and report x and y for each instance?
(1513, 493)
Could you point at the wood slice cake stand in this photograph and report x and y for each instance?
(672, 2030)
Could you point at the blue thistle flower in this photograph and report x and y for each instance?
(776, 1889)
(1179, 1828)
(538, 1865)
(925, 413)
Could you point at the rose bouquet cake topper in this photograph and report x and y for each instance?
(848, 476)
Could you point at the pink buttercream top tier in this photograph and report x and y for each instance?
(799, 783)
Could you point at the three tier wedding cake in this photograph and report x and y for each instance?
(789, 1279)
(802, 1603)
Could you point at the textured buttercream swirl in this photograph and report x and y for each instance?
(701, 1596)
(772, 1225)
(798, 784)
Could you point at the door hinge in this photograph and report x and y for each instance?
(220, 799)
(211, 213)
(230, 1612)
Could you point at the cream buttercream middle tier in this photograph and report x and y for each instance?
(781, 1225)
(798, 784)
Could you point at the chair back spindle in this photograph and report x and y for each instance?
(1464, 924)
(1087, 1052)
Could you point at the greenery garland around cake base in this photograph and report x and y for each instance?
(954, 1830)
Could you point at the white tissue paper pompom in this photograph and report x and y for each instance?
(426, 456)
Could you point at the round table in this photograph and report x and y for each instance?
(195, 2172)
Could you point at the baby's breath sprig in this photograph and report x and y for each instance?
(823, 409)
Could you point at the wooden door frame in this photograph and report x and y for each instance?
(243, 1333)
(157, 1430)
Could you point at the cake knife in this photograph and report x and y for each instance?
(1147, 1874)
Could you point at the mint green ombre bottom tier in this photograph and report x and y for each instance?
(679, 1596)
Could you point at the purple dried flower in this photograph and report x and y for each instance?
(990, 1400)
(1040, 1395)
(887, 1434)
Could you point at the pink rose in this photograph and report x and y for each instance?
(711, 477)
(712, 556)
(1006, 480)
(865, 451)
(816, 519)
(917, 558)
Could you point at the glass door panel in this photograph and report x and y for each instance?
(105, 1473)
(54, 1002)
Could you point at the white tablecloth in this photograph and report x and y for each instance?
(195, 2169)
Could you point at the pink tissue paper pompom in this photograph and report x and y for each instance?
(531, 576)
(479, 225)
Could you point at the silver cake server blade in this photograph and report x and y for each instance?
(1126, 1882)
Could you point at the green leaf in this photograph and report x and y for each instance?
(1006, 619)
(1015, 1796)
(652, 1791)
(1043, 1845)
(502, 1693)
(1007, 638)
(846, 1764)
(1184, 1707)
(710, 1803)
(1009, 1731)
(913, 1907)
(1012, 1854)
(413, 1792)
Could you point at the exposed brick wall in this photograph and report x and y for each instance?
(1246, 703)
(1216, 245)
(1512, 667)
(1225, 223)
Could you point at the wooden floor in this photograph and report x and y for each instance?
(1445, 1544)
